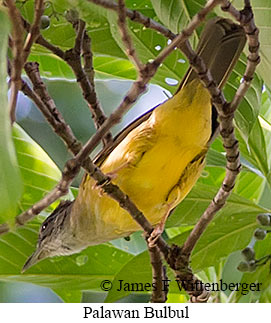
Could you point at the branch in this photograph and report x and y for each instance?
(4, 228)
(88, 58)
(137, 17)
(159, 291)
(21, 49)
(40, 96)
(179, 262)
(245, 17)
(126, 37)
(73, 58)
(17, 49)
(79, 27)
(71, 169)
(34, 29)
(226, 115)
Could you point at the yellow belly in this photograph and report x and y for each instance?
(160, 169)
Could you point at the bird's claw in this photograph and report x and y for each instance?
(154, 236)
(99, 187)
(111, 175)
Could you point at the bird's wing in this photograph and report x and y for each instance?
(103, 154)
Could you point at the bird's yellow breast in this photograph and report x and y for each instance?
(152, 160)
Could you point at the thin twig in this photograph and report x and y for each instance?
(159, 281)
(127, 41)
(34, 29)
(88, 58)
(87, 84)
(73, 58)
(71, 169)
(21, 49)
(226, 114)
(179, 262)
(80, 30)
(17, 49)
(245, 17)
(137, 16)
(4, 228)
(40, 96)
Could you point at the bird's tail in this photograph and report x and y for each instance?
(220, 46)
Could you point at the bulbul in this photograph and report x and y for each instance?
(156, 160)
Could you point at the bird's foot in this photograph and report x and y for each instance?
(112, 175)
(156, 233)
(99, 187)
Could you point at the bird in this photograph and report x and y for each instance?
(156, 160)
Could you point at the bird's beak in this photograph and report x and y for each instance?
(34, 258)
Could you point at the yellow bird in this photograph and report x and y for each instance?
(156, 160)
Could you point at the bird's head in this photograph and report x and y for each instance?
(53, 236)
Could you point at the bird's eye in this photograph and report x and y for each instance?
(44, 226)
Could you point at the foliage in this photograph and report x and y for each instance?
(10, 181)
(233, 226)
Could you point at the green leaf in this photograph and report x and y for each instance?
(254, 151)
(212, 176)
(257, 147)
(262, 14)
(266, 296)
(112, 63)
(105, 67)
(248, 110)
(10, 181)
(193, 206)
(176, 14)
(38, 171)
(141, 276)
(265, 121)
(231, 229)
(216, 158)
(262, 273)
(249, 185)
(134, 245)
(98, 28)
(64, 37)
(148, 44)
(80, 271)
(69, 296)
(108, 67)
(227, 233)
(51, 66)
